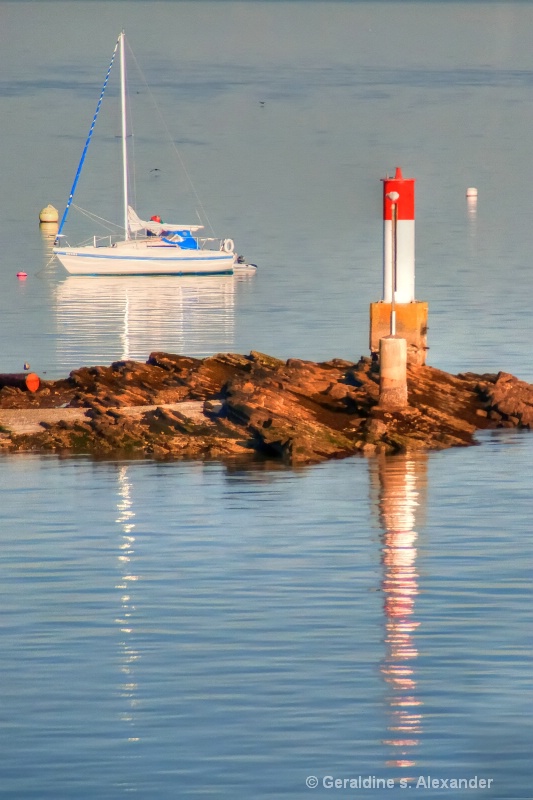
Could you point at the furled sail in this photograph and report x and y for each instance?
(136, 224)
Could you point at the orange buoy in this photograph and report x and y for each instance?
(22, 275)
(32, 382)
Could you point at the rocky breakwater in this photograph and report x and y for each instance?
(228, 406)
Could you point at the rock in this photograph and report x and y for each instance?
(214, 407)
(230, 406)
(511, 399)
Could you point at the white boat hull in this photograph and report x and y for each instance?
(141, 257)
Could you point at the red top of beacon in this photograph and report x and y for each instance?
(405, 205)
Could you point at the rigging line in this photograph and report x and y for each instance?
(176, 150)
(87, 143)
(105, 222)
(45, 268)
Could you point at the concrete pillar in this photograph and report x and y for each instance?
(392, 372)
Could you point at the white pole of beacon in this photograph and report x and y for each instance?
(393, 197)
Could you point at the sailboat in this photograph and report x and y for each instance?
(145, 246)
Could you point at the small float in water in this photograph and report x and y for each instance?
(240, 267)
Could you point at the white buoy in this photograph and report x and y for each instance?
(49, 214)
(471, 191)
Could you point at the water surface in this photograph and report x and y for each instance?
(199, 630)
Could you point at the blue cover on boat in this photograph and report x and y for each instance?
(188, 241)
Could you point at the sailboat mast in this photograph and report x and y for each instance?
(124, 134)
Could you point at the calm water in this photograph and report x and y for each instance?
(195, 630)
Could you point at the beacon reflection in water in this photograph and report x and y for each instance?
(400, 482)
(108, 318)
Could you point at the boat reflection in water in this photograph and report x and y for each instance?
(400, 482)
(107, 318)
(129, 655)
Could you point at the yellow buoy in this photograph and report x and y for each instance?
(49, 214)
